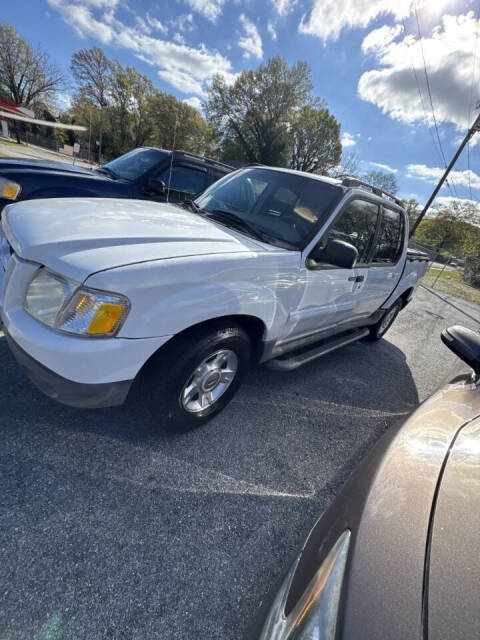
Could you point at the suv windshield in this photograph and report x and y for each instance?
(135, 163)
(283, 206)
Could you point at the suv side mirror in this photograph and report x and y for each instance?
(157, 186)
(336, 253)
(465, 344)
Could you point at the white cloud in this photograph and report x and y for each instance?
(251, 42)
(433, 175)
(156, 24)
(449, 54)
(384, 167)
(271, 30)
(210, 9)
(101, 4)
(329, 17)
(380, 38)
(348, 140)
(194, 102)
(187, 68)
(283, 7)
(448, 201)
(178, 37)
(82, 20)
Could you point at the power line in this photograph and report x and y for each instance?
(420, 92)
(431, 100)
(470, 98)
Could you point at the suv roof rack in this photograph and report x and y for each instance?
(351, 181)
(186, 154)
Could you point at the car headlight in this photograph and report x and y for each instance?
(65, 305)
(9, 190)
(315, 614)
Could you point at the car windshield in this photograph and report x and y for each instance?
(281, 206)
(135, 163)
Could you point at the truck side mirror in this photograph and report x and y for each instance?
(336, 253)
(465, 344)
(155, 185)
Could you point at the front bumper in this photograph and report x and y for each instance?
(74, 394)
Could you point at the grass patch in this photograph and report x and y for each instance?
(11, 143)
(451, 282)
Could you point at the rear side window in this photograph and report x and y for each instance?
(184, 179)
(390, 238)
(356, 225)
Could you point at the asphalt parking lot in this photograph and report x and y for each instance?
(111, 529)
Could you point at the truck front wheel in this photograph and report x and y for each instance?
(195, 376)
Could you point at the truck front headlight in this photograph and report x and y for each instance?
(316, 612)
(63, 304)
(9, 190)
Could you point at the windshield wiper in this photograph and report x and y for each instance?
(108, 171)
(190, 204)
(228, 217)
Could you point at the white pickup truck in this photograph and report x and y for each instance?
(266, 265)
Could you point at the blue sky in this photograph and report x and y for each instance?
(362, 53)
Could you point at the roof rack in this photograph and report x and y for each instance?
(186, 154)
(351, 181)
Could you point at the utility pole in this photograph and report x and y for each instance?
(473, 129)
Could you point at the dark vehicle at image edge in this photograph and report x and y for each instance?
(397, 554)
(143, 173)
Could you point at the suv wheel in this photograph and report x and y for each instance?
(195, 376)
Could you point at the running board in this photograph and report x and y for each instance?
(297, 358)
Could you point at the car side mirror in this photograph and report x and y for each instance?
(465, 344)
(157, 186)
(336, 253)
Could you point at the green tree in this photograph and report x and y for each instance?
(253, 117)
(315, 142)
(177, 125)
(413, 209)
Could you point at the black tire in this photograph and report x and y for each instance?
(167, 373)
(378, 330)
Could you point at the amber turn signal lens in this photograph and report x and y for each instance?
(10, 191)
(105, 319)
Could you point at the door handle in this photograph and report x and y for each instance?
(356, 278)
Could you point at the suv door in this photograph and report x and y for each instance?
(183, 182)
(386, 265)
(332, 295)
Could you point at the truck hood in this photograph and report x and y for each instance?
(80, 236)
(14, 165)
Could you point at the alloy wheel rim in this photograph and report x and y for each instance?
(387, 320)
(209, 381)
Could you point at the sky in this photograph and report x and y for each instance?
(374, 62)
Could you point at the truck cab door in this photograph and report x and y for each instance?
(387, 260)
(332, 296)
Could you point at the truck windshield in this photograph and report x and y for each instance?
(286, 207)
(135, 163)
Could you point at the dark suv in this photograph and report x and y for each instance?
(145, 173)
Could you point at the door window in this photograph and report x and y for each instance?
(184, 180)
(389, 242)
(356, 225)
